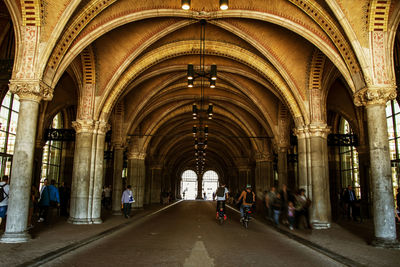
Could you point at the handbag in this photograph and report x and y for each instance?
(131, 199)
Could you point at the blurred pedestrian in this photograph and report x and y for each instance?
(5, 191)
(126, 200)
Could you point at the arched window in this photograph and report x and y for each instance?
(210, 184)
(51, 160)
(349, 168)
(393, 123)
(189, 185)
(8, 129)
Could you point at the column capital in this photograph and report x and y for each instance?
(312, 130)
(375, 95)
(136, 155)
(83, 126)
(102, 127)
(261, 157)
(34, 90)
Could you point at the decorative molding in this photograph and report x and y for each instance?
(307, 131)
(83, 126)
(261, 157)
(30, 12)
(379, 15)
(102, 127)
(90, 11)
(324, 20)
(315, 86)
(31, 90)
(136, 155)
(375, 95)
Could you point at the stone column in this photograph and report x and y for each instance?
(79, 209)
(282, 166)
(155, 184)
(263, 174)
(304, 180)
(117, 179)
(102, 128)
(30, 93)
(374, 99)
(321, 207)
(136, 177)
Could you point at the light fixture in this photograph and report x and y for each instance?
(190, 72)
(186, 4)
(212, 84)
(213, 72)
(223, 4)
(190, 83)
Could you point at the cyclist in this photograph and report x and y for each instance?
(248, 197)
(222, 194)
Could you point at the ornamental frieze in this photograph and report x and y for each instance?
(374, 95)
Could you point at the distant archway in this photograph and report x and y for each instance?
(210, 184)
(189, 185)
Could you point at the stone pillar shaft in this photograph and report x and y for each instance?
(20, 182)
(282, 166)
(117, 180)
(155, 187)
(385, 227)
(79, 209)
(136, 174)
(98, 174)
(321, 207)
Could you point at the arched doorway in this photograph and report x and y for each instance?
(210, 184)
(189, 185)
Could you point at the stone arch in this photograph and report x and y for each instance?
(315, 86)
(184, 47)
(145, 14)
(88, 90)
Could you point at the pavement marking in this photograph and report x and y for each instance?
(199, 257)
(74, 246)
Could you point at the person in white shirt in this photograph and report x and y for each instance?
(127, 200)
(4, 202)
(222, 195)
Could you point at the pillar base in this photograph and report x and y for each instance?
(321, 225)
(385, 243)
(97, 221)
(116, 212)
(19, 237)
(79, 220)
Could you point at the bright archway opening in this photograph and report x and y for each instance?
(210, 184)
(189, 185)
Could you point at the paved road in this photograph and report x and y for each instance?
(187, 234)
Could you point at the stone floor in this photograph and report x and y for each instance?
(187, 234)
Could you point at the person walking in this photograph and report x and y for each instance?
(4, 191)
(269, 200)
(44, 202)
(126, 201)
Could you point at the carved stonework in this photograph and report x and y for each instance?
(31, 90)
(374, 95)
(136, 155)
(102, 127)
(83, 126)
(261, 157)
(307, 131)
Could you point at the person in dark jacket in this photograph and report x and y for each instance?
(44, 202)
(277, 207)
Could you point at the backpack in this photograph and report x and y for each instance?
(221, 191)
(2, 193)
(249, 197)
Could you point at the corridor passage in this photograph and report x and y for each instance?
(187, 234)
